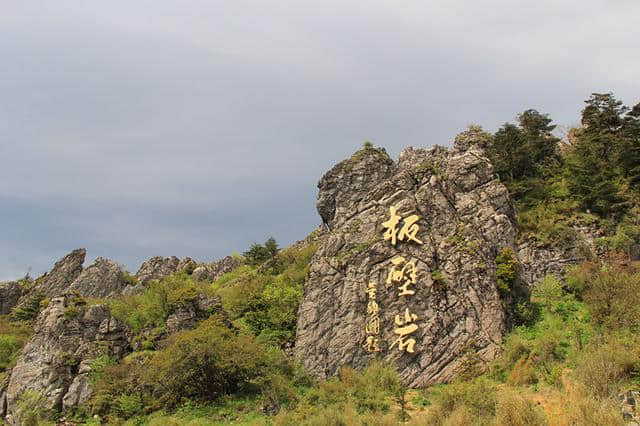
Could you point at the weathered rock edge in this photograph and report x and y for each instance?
(466, 218)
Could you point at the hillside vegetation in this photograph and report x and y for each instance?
(564, 363)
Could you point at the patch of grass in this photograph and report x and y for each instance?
(13, 337)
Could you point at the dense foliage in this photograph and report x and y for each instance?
(591, 178)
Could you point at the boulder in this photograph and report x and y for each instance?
(407, 271)
(629, 407)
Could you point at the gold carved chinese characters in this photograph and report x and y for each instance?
(408, 231)
(372, 327)
(406, 326)
(403, 274)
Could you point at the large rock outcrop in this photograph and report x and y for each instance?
(538, 259)
(103, 278)
(64, 272)
(441, 299)
(10, 294)
(56, 362)
(213, 271)
(159, 267)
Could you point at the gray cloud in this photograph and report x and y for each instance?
(197, 127)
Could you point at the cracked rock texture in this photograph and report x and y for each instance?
(64, 272)
(159, 267)
(538, 259)
(213, 271)
(57, 360)
(103, 278)
(466, 217)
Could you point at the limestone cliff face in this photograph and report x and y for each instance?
(441, 299)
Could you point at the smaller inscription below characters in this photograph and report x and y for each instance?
(372, 344)
(406, 326)
(408, 231)
(372, 326)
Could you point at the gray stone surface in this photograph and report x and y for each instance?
(159, 267)
(629, 406)
(67, 337)
(10, 293)
(64, 272)
(538, 259)
(213, 271)
(103, 278)
(466, 217)
(187, 314)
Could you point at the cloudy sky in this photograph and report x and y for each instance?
(193, 128)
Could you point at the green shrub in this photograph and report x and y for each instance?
(506, 271)
(264, 301)
(128, 278)
(9, 349)
(350, 396)
(538, 350)
(610, 290)
(208, 362)
(152, 307)
(523, 373)
(31, 408)
(29, 308)
(128, 405)
(260, 253)
(97, 367)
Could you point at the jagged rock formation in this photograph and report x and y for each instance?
(188, 313)
(213, 271)
(56, 361)
(103, 278)
(538, 259)
(10, 294)
(159, 267)
(64, 272)
(465, 219)
(185, 316)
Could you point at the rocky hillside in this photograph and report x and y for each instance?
(69, 333)
(491, 278)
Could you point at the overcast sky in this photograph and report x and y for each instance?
(194, 128)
